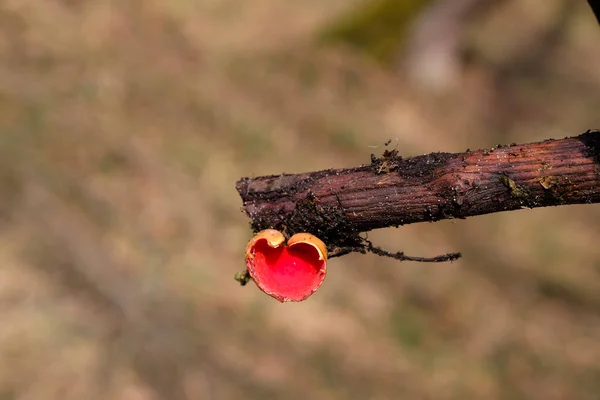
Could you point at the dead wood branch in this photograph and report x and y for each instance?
(339, 204)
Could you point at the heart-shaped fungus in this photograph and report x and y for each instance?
(289, 272)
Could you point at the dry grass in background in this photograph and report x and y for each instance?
(123, 128)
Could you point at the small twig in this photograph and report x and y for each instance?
(400, 256)
(366, 246)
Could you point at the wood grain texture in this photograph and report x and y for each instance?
(393, 191)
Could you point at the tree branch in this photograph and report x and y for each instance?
(338, 204)
(595, 6)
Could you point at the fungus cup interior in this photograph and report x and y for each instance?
(288, 273)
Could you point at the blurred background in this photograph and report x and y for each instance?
(124, 125)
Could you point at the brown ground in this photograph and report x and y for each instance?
(124, 126)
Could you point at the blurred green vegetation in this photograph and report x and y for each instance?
(377, 28)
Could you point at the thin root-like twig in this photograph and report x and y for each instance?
(400, 256)
(366, 246)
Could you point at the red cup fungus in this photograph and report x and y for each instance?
(289, 272)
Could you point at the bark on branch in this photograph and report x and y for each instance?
(338, 204)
